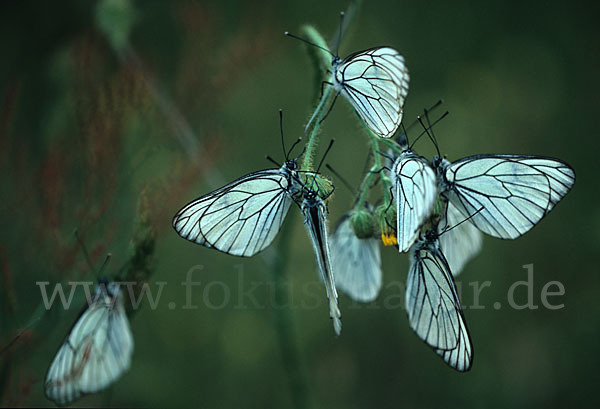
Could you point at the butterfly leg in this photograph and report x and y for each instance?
(323, 83)
(330, 108)
(391, 199)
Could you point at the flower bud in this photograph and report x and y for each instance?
(386, 217)
(363, 223)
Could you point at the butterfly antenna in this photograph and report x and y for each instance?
(325, 155)
(281, 131)
(108, 256)
(337, 48)
(293, 146)
(428, 128)
(84, 250)
(461, 222)
(430, 109)
(303, 150)
(287, 33)
(341, 178)
(430, 125)
(270, 159)
(416, 121)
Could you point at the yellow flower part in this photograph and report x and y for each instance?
(389, 239)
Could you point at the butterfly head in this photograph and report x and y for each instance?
(291, 164)
(431, 235)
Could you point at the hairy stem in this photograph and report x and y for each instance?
(322, 62)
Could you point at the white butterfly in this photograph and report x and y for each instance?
(460, 241)
(415, 192)
(515, 191)
(243, 217)
(432, 303)
(375, 82)
(96, 351)
(314, 210)
(356, 261)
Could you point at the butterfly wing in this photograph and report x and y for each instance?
(242, 218)
(314, 211)
(356, 262)
(515, 192)
(375, 81)
(461, 243)
(95, 353)
(415, 187)
(434, 309)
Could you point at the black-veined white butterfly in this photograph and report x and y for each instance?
(243, 217)
(432, 303)
(96, 351)
(356, 262)
(460, 241)
(374, 81)
(515, 191)
(502, 195)
(314, 210)
(415, 192)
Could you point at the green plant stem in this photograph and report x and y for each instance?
(322, 60)
(313, 139)
(284, 322)
(375, 169)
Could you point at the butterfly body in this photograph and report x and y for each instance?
(314, 210)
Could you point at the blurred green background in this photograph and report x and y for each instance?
(104, 106)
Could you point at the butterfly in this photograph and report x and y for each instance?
(96, 351)
(243, 217)
(314, 210)
(356, 261)
(502, 195)
(433, 306)
(515, 191)
(374, 81)
(414, 184)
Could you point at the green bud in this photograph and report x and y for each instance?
(363, 223)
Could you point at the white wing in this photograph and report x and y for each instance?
(375, 81)
(314, 219)
(96, 352)
(434, 309)
(356, 263)
(415, 192)
(461, 243)
(242, 218)
(515, 191)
